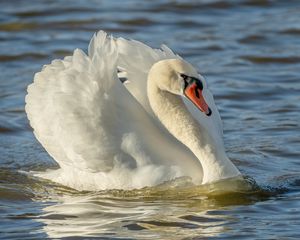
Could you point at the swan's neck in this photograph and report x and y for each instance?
(173, 114)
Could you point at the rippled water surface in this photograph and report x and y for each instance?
(248, 50)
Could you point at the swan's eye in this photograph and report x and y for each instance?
(190, 80)
(184, 77)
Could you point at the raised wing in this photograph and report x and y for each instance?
(71, 106)
(136, 59)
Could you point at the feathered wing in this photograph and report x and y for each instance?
(136, 59)
(70, 106)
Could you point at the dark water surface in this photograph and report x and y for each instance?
(248, 50)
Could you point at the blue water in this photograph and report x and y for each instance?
(249, 52)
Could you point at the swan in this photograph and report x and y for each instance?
(158, 124)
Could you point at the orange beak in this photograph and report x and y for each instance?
(194, 94)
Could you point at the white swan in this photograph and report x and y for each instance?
(105, 134)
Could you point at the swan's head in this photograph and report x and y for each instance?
(179, 77)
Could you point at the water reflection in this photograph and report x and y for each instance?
(100, 216)
(160, 211)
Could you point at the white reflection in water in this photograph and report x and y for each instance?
(159, 212)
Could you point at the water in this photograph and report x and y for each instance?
(248, 50)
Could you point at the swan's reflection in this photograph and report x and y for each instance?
(142, 214)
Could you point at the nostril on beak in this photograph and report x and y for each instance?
(209, 112)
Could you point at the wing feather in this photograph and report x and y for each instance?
(136, 59)
(66, 105)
